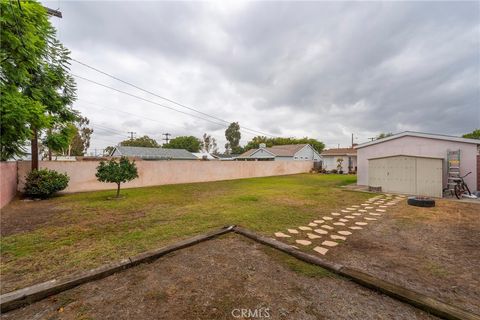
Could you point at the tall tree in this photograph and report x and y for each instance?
(189, 143)
(233, 136)
(36, 87)
(255, 142)
(209, 144)
(144, 141)
(475, 134)
(59, 139)
(383, 135)
(81, 140)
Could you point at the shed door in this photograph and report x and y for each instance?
(429, 177)
(410, 175)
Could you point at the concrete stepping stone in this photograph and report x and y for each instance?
(335, 237)
(335, 214)
(361, 223)
(329, 243)
(380, 210)
(375, 214)
(382, 206)
(292, 231)
(355, 228)
(304, 228)
(362, 210)
(312, 236)
(320, 250)
(311, 224)
(281, 235)
(368, 207)
(365, 204)
(355, 206)
(345, 211)
(304, 242)
(345, 233)
(320, 231)
(351, 209)
(343, 220)
(356, 214)
(339, 223)
(328, 218)
(325, 226)
(367, 218)
(350, 217)
(318, 221)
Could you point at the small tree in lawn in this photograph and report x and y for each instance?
(117, 172)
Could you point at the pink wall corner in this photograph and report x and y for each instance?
(424, 147)
(8, 182)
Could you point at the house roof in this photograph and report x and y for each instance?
(419, 135)
(340, 152)
(287, 150)
(153, 153)
(206, 155)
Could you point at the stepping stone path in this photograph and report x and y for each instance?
(329, 243)
(304, 242)
(373, 208)
(281, 235)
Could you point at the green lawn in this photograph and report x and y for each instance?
(87, 230)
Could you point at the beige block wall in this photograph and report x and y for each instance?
(152, 173)
(8, 182)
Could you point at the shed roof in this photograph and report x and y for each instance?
(419, 135)
(153, 153)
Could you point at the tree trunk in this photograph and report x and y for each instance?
(34, 150)
(118, 190)
(49, 149)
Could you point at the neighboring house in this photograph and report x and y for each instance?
(289, 152)
(418, 163)
(348, 155)
(153, 153)
(205, 156)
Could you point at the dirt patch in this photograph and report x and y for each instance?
(29, 215)
(212, 279)
(435, 251)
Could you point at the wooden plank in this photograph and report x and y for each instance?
(18, 298)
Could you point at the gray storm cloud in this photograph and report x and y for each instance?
(318, 69)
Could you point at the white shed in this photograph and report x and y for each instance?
(407, 174)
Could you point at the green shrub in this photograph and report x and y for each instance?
(117, 172)
(44, 183)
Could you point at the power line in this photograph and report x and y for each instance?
(164, 98)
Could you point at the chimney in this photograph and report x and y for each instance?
(262, 146)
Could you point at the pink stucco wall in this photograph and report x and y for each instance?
(8, 182)
(152, 173)
(422, 147)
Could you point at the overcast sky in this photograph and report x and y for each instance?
(317, 69)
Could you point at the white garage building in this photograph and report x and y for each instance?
(417, 163)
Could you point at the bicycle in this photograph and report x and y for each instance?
(461, 187)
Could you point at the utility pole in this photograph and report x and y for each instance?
(352, 140)
(131, 133)
(167, 135)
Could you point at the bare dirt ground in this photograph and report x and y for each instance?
(435, 251)
(210, 280)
